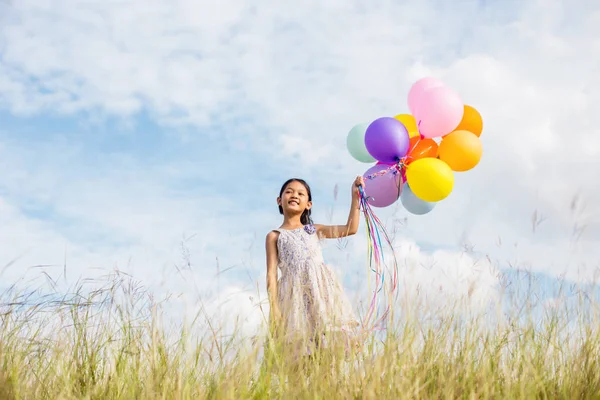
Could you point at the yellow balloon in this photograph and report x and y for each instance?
(461, 150)
(410, 123)
(430, 179)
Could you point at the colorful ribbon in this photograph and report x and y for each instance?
(375, 233)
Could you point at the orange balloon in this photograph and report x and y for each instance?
(461, 150)
(421, 148)
(471, 121)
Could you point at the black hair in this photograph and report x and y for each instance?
(305, 217)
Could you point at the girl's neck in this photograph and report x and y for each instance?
(292, 222)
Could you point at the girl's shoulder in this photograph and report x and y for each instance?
(273, 234)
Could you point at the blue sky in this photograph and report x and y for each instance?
(127, 127)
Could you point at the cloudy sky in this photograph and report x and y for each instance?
(152, 136)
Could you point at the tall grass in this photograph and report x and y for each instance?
(114, 342)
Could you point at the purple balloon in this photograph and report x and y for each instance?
(387, 140)
(382, 190)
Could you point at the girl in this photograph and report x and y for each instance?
(307, 302)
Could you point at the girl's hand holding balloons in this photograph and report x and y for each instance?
(358, 182)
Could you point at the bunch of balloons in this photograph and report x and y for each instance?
(417, 154)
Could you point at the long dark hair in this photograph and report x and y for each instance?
(305, 217)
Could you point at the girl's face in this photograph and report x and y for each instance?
(294, 199)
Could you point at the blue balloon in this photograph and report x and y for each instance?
(413, 204)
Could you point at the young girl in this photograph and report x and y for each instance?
(307, 302)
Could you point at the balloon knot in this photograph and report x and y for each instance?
(401, 163)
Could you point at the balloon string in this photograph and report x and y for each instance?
(372, 252)
(375, 233)
(409, 153)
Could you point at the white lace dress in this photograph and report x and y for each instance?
(311, 299)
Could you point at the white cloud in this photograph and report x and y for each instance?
(444, 279)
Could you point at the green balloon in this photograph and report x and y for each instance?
(356, 143)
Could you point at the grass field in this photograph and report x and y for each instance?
(114, 343)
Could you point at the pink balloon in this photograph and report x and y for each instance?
(439, 112)
(418, 89)
(382, 190)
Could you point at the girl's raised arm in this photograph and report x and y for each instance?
(351, 227)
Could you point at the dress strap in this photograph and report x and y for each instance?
(278, 231)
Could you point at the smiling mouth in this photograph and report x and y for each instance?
(293, 202)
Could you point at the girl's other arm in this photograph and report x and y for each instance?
(271, 247)
(351, 227)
